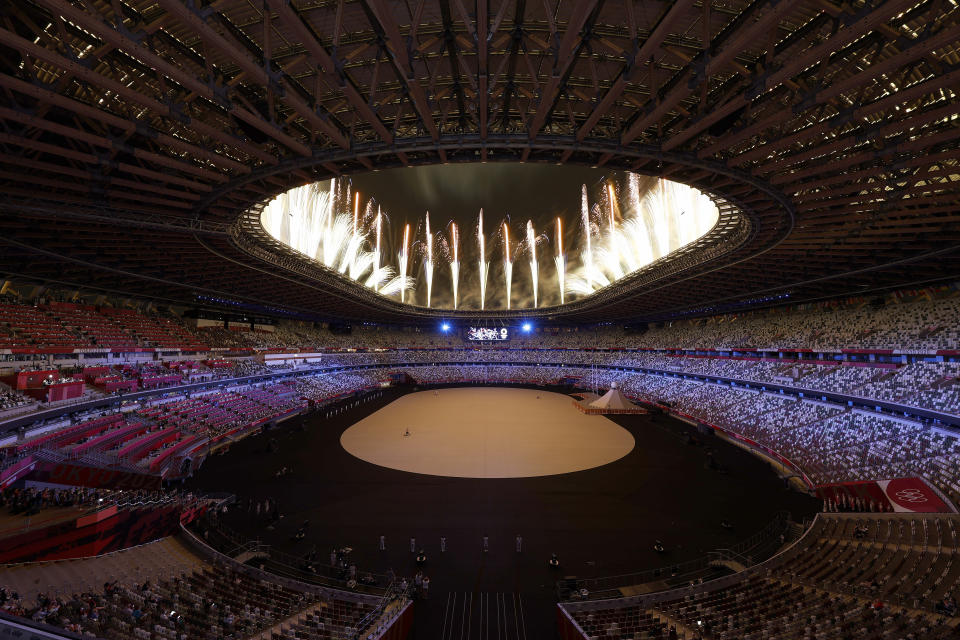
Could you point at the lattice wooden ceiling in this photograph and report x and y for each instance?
(134, 132)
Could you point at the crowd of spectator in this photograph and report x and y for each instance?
(46, 323)
(324, 388)
(850, 577)
(829, 441)
(28, 502)
(922, 325)
(216, 602)
(12, 400)
(155, 434)
(243, 368)
(925, 385)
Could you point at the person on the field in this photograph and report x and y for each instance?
(519, 543)
(486, 544)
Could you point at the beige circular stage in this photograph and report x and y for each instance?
(486, 432)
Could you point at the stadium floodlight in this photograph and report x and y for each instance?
(445, 327)
(527, 327)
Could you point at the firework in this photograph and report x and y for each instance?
(612, 225)
(376, 252)
(454, 261)
(507, 263)
(534, 267)
(561, 261)
(356, 211)
(428, 261)
(404, 259)
(483, 264)
(641, 221)
(585, 222)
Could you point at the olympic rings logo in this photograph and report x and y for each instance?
(911, 495)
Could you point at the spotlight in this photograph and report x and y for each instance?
(527, 327)
(445, 327)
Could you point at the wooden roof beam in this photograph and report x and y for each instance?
(793, 65)
(96, 80)
(325, 65)
(387, 23)
(483, 46)
(931, 85)
(564, 57)
(104, 143)
(669, 20)
(253, 70)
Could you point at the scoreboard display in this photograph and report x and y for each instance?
(487, 333)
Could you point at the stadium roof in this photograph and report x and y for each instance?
(136, 134)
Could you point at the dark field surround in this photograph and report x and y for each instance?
(601, 521)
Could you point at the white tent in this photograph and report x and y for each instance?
(586, 398)
(612, 400)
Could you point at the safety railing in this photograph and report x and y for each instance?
(746, 553)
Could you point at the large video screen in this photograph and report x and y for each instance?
(486, 333)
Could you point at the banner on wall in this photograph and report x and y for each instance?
(901, 495)
(80, 476)
(912, 495)
(110, 529)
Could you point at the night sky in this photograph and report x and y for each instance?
(458, 192)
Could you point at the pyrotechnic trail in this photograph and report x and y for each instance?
(588, 247)
(484, 265)
(356, 211)
(507, 262)
(612, 225)
(404, 258)
(376, 253)
(328, 245)
(428, 263)
(561, 261)
(454, 261)
(534, 267)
